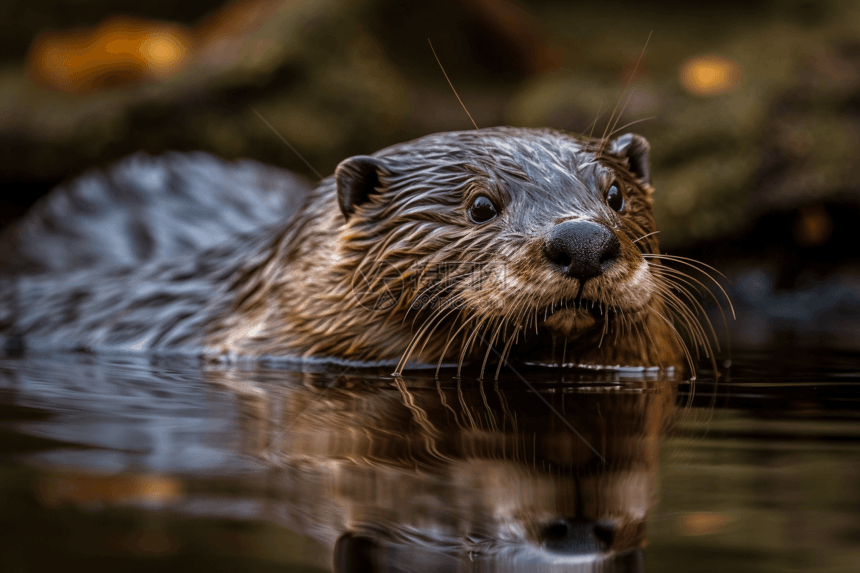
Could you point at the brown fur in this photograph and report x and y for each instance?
(383, 263)
(497, 284)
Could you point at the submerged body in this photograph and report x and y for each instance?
(465, 247)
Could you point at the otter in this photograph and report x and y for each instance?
(501, 243)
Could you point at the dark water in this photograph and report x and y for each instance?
(141, 464)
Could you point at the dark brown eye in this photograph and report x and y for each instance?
(614, 198)
(482, 210)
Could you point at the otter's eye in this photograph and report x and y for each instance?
(614, 198)
(482, 210)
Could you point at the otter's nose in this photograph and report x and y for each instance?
(583, 249)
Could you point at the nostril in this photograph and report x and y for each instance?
(556, 252)
(563, 259)
(611, 251)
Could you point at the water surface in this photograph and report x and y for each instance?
(138, 463)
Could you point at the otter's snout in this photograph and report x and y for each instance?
(583, 249)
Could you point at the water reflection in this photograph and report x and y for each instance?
(387, 474)
(431, 474)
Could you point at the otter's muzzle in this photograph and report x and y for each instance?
(582, 249)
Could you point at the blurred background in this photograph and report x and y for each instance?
(752, 109)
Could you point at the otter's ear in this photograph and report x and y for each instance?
(357, 177)
(637, 151)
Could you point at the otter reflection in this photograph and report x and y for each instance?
(414, 474)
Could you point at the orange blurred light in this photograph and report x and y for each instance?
(163, 51)
(703, 523)
(813, 226)
(74, 488)
(709, 75)
(119, 51)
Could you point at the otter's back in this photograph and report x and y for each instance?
(146, 208)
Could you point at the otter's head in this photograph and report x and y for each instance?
(508, 239)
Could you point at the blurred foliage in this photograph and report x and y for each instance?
(338, 77)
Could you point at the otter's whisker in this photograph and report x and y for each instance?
(603, 330)
(442, 316)
(607, 136)
(692, 326)
(679, 337)
(689, 262)
(438, 317)
(674, 276)
(678, 275)
(451, 339)
(692, 262)
(511, 340)
(468, 343)
(590, 127)
(684, 313)
(436, 286)
(490, 347)
(452, 85)
(626, 125)
(693, 301)
(282, 138)
(645, 236)
(503, 358)
(627, 85)
(634, 327)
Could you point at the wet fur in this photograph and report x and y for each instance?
(311, 286)
(496, 284)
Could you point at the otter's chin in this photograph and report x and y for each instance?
(570, 321)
